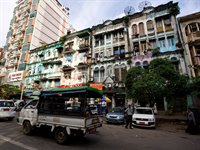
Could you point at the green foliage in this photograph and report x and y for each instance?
(156, 51)
(132, 75)
(7, 91)
(194, 85)
(159, 80)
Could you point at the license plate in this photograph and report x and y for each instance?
(141, 123)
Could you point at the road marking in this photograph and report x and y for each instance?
(17, 143)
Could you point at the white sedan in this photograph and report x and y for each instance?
(7, 109)
(144, 117)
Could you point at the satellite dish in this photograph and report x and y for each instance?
(129, 10)
(143, 5)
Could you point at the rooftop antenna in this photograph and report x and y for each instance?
(144, 5)
(129, 10)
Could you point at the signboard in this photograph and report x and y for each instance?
(97, 86)
(16, 76)
(73, 85)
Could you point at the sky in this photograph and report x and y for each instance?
(86, 13)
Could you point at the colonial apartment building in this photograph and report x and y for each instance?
(60, 64)
(134, 40)
(34, 23)
(190, 36)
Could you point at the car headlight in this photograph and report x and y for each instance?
(121, 116)
(151, 119)
(107, 116)
(133, 118)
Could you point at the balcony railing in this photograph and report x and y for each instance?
(159, 29)
(168, 28)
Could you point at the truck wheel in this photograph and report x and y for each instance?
(61, 135)
(27, 128)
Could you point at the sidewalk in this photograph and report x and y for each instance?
(175, 117)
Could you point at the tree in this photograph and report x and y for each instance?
(132, 75)
(7, 91)
(159, 80)
(194, 85)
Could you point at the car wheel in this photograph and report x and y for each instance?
(27, 128)
(61, 135)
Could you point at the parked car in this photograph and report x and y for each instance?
(7, 109)
(116, 115)
(144, 117)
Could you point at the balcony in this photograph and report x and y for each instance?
(68, 50)
(160, 29)
(194, 36)
(168, 28)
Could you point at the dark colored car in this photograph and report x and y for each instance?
(116, 115)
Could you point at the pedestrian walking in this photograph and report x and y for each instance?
(129, 113)
(192, 126)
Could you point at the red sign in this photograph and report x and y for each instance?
(97, 86)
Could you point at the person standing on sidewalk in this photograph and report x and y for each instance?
(191, 122)
(129, 113)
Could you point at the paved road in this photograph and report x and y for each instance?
(164, 137)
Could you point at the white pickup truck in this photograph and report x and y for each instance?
(63, 110)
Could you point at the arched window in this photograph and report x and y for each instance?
(137, 64)
(150, 26)
(134, 29)
(192, 27)
(116, 73)
(109, 70)
(123, 72)
(145, 64)
(96, 74)
(141, 28)
(102, 73)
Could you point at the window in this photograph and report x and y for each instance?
(134, 29)
(150, 25)
(57, 83)
(109, 71)
(96, 41)
(123, 72)
(116, 51)
(193, 27)
(162, 42)
(96, 74)
(32, 104)
(117, 74)
(108, 36)
(141, 28)
(171, 41)
(96, 55)
(102, 73)
(143, 46)
(136, 46)
(167, 22)
(159, 23)
(22, 67)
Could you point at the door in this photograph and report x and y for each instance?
(29, 112)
